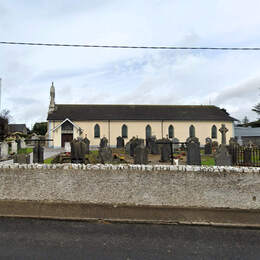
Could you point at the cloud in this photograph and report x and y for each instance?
(88, 75)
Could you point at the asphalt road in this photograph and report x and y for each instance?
(50, 239)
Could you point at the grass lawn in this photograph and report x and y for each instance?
(207, 160)
(25, 151)
(48, 161)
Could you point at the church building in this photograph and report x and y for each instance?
(66, 122)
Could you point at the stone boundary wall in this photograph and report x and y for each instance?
(133, 185)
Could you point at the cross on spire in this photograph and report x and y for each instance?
(223, 130)
(52, 98)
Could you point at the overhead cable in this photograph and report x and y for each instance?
(133, 47)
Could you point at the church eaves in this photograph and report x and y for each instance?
(139, 112)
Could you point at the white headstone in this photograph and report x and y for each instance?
(67, 147)
(13, 147)
(23, 144)
(4, 150)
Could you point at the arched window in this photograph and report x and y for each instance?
(148, 131)
(192, 131)
(213, 131)
(97, 131)
(124, 131)
(170, 131)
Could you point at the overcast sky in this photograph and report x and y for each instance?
(228, 79)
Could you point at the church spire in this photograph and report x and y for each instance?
(52, 101)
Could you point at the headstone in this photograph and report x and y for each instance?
(134, 143)
(38, 154)
(193, 151)
(22, 158)
(223, 130)
(23, 144)
(105, 155)
(208, 146)
(67, 147)
(87, 142)
(175, 145)
(4, 150)
(223, 158)
(165, 149)
(120, 143)
(78, 151)
(141, 155)
(214, 145)
(18, 141)
(152, 146)
(13, 147)
(103, 142)
(127, 147)
(208, 140)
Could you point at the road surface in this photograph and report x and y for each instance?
(52, 239)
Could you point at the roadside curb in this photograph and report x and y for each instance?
(224, 217)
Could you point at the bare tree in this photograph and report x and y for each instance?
(5, 114)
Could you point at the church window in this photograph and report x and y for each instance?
(170, 131)
(192, 131)
(67, 126)
(124, 131)
(213, 131)
(148, 131)
(97, 131)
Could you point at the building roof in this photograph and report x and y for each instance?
(247, 131)
(139, 112)
(17, 128)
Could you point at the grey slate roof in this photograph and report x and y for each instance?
(17, 128)
(139, 112)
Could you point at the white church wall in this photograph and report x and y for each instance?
(137, 128)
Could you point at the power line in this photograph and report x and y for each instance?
(133, 47)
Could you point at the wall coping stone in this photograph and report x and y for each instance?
(135, 167)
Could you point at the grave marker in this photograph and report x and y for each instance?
(193, 151)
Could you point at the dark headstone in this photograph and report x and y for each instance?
(127, 147)
(152, 146)
(208, 140)
(214, 145)
(78, 151)
(87, 142)
(105, 155)
(193, 151)
(18, 144)
(38, 154)
(223, 158)
(22, 158)
(103, 142)
(141, 155)
(208, 146)
(120, 143)
(165, 149)
(134, 143)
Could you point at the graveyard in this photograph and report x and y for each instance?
(163, 151)
(151, 151)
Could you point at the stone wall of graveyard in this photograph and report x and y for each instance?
(167, 186)
(137, 128)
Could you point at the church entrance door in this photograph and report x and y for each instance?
(66, 138)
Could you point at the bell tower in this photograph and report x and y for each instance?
(52, 99)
